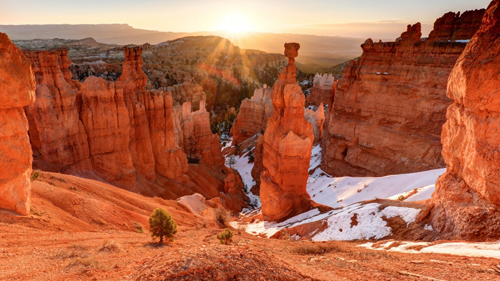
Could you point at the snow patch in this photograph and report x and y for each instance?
(357, 221)
(343, 191)
(484, 249)
(363, 222)
(242, 165)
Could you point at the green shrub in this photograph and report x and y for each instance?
(110, 246)
(138, 227)
(35, 175)
(162, 224)
(315, 249)
(225, 237)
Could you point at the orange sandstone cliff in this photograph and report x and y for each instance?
(317, 119)
(391, 103)
(253, 116)
(467, 197)
(122, 134)
(287, 145)
(323, 89)
(17, 85)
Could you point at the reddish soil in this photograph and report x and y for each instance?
(86, 230)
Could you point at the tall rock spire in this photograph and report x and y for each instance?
(287, 147)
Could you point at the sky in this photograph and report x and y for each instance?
(353, 18)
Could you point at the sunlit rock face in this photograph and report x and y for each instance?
(194, 135)
(390, 105)
(17, 89)
(317, 119)
(122, 134)
(253, 116)
(323, 89)
(113, 129)
(287, 145)
(56, 131)
(467, 197)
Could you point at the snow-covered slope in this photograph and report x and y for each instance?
(357, 221)
(485, 249)
(350, 219)
(343, 191)
(244, 167)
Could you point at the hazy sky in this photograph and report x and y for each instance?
(357, 18)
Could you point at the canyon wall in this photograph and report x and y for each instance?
(17, 86)
(317, 119)
(56, 131)
(390, 105)
(287, 145)
(322, 91)
(195, 136)
(122, 133)
(187, 91)
(253, 116)
(467, 197)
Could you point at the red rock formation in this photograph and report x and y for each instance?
(467, 197)
(133, 80)
(258, 165)
(184, 126)
(187, 91)
(123, 134)
(253, 116)
(17, 86)
(57, 131)
(195, 136)
(390, 106)
(288, 141)
(322, 90)
(207, 142)
(233, 187)
(107, 123)
(456, 26)
(170, 160)
(317, 119)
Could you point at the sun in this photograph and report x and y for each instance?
(234, 23)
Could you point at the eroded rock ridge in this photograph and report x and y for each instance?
(390, 105)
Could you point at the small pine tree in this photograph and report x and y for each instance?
(162, 224)
(225, 237)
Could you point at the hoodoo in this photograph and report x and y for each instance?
(123, 134)
(287, 145)
(323, 89)
(253, 116)
(467, 197)
(390, 105)
(17, 89)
